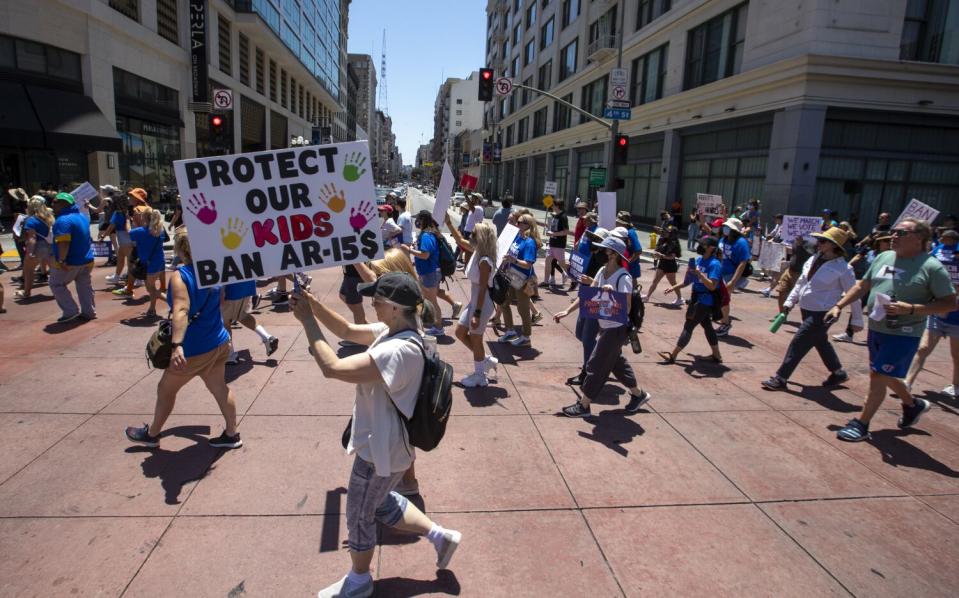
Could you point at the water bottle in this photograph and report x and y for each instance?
(892, 321)
(777, 323)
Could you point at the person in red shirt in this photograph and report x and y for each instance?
(581, 224)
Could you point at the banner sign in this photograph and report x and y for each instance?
(487, 152)
(799, 226)
(497, 152)
(443, 194)
(598, 304)
(606, 203)
(709, 207)
(771, 255)
(917, 209)
(504, 242)
(549, 188)
(265, 214)
(198, 54)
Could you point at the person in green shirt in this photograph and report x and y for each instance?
(917, 286)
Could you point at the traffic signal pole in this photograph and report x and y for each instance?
(614, 129)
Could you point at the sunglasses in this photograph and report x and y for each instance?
(901, 232)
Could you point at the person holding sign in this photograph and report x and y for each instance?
(519, 267)
(607, 356)
(736, 255)
(593, 258)
(909, 284)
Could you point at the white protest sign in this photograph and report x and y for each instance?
(917, 209)
(504, 242)
(549, 188)
(606, 204)
(269, 213)
(709, 206)
(443, 194)
(83, 194)
(771, 255)
(799, 226)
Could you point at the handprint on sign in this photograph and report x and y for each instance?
(353, 167)
(233, 234)
(360, 217)
(335, 200)
(203, 209)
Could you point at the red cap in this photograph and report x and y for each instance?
(717, 222)
(386, 208)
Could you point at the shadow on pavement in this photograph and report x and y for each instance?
(486, 396)
(389, 536)
(899, 453)
(824, 397)
(141, 321)
(399, 587)
(330, 535)
(61, 327)
(244, 364)
(613, 429)
(176, 469)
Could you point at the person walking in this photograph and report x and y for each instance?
(607, 356)
(581, 222)
(35, 232)
(668, 251)
(692, 230)
(387, 377)
(119, 226)
(824, 279)
(634, 249)
(405, 221)
(519, 268)
(591, 258)
(426, 260)
(915, 285)
(148, 240)
(736, 254)
(501, 215)
(706, 278)
(201, 347)
(556, 254)
(860, 264)
(73, 255)
(235, 308)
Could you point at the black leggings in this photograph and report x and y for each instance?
(698, 315)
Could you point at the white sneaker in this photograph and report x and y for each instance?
(112, 278)
(645, 298)
(342, 589)
(475, 379)
(950, 390)
(444, 552)
(232, 359)
(842, 338)
(520, 341)
(679, 301)
(489, 366)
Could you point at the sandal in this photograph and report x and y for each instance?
(667, 357)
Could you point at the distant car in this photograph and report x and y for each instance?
(381, 195)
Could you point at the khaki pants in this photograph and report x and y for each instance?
(522, 306)
(61, 277)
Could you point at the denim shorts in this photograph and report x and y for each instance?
(431, 280)
(891, 354)
(370, 498)
(940, 326)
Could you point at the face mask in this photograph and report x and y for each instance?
(701, 250)
(726, 230)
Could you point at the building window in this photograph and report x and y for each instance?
(526, 93)
(272, 81)
(594, 98)
(301, 107)
(225, 48)
(166, 20)
(546, 34)
(459, 113)
(130, 8)
(517, 32)
(522, 128)
(545, 79)
(260, 83)
(568, 57)
(930, 32)
(509, 136)
(283, 88)
(459, 100)
(244, 48)
(604, 29)
(650, 10)
(503, 109)
(649, 73)
(539, 123)
(292, 95)
(459, 123)
(715, 48)
(530, 52)
(562, 115)
(514, 69)
(570, 11)
(516, 4)
(149, 149)
(531, 15)
(22, 55)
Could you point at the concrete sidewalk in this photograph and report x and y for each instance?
(717, 488)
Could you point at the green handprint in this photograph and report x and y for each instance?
(353, 167)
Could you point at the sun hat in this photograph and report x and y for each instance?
(620, 232)
(582, 205)
(734, 224)
(397, 287)
(108, 188)
(18, 194)
(139, 196)
(624, 217)
(64, 197)
(615, 243)
(836, 235)
(591, 216)
(597, 236)
(718, 222)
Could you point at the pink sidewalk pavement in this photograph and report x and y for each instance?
(716, 488)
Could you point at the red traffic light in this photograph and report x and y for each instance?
(216, 121)
(622, 141)
(487, 73)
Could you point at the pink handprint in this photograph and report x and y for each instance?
(360, 217)
(204, 210)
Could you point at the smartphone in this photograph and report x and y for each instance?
(829, 319)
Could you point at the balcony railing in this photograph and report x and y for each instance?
(602, 47)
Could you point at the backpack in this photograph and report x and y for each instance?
(499, 288)
(447, 258)
(637, 310)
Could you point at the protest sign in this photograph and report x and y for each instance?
(468, 182)
(596, 303)
(269, 213)
(606, 203)
(771, 255)
(799, 226)
(443, 194)
(577, 264)
(709, 207)
(504, 242)
(549, 188)
(917, 209)
(83, 195)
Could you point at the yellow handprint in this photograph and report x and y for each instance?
(233, 234)
(335, 200)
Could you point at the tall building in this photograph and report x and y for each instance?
(362, 65)
(113, 91)
(441, 122)
(422, 155)
(804, 105)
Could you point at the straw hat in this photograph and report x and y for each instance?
(734, 224)
(18, 194)
(836, 235)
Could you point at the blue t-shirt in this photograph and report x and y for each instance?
(74, 227)
(427, 242)
(39, 227)
(714, 271)
(634, 247)
(239, 290)
(207, 331)
(734, 254)
(949, 256)
(149, 248)
(119, 221)
(523, 249)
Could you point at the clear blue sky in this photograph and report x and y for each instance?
(426, 41)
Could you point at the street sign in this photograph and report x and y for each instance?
(617, 113)
(618, 86)
(504, 85)
(223, 99)
(597, 177)
(617, 104)
(549, 188)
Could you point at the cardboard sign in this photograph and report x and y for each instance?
(83, 195)
(443, 194)
(917, 209)
(549, 188)
(578, 264)
(606, 202)
(468, 182)
(771, 255)
(598, 304)
(709, 207)
(504, 242)
(799, 226)
(269, 213)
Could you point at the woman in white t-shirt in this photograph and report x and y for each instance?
(473, 319)
(387, 377)
(607, 356)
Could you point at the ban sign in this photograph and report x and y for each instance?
(504, 85)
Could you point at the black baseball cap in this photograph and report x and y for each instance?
(397, 287)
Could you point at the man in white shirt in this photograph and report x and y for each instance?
(405, 221)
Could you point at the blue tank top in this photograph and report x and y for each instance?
(207, 331)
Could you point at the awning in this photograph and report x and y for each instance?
(18, 123)
(73, 121)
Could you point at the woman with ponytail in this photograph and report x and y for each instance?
(36, 242)
(148, 238)
(387, 377)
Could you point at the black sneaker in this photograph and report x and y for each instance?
(142, 436)
(65, 319)
(836, 378)
(912, 413)
(774, 383)
(281, 299)
(637, 401)
(854, 431)
(577, 409)
(255, 301)
(723, 330)
(271, 344)
(228, 442)
(576, 380)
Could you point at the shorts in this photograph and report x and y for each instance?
(740, 284)
(348, 289)
(557, 253)
(200, 365)
(41, 250)
(668, 266)
(486, 313)
(724, 294)
(234, 310)
(370, 498)
(941, 327)
(891, 354)
(431, 280)
(123, 238)
(786, 282)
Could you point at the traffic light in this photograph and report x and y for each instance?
(485, 92)
(621, 149)
(220, 132)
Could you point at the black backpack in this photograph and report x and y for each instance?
(499, 288)
(447, 257)
(637, 310)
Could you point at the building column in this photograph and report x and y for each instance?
(530, 182)
(793, 163)
(670, 170)
(571, 170)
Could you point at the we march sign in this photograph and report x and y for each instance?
(264, 214)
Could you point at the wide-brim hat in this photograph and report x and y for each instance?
(18, 194)
(624, 217)
(581, 205)
(836, 235)
(597, 235)
(591, 216)
(615, 243)
(139, 195)
(397, 287)
(949, 233)
(109, 188)
(734, 224)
